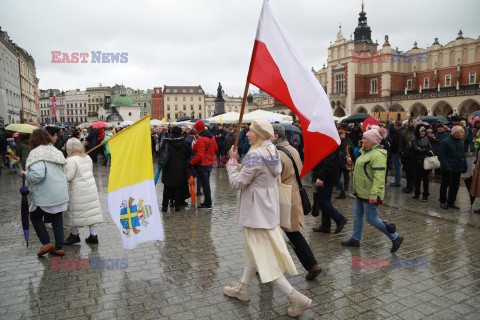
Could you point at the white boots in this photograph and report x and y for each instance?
(239, 291)
(299, 303)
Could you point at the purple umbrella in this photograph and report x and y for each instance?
(24, 192)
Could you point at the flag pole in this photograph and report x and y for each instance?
(123, 130)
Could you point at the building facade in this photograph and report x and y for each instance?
(182, 101)
(232, 104)
(361, 76)
(28, 82)
(143, 98)
(10, 88)
(157, 104)
(76, 106)
(95, 101)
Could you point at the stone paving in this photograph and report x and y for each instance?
(183, 277)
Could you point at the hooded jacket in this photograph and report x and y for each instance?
(174, 174)
(205, 149)
(369, 173)
(420, 147)
(258, 206)
(407, 135)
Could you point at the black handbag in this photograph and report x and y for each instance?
(163, 157)
(307, 207)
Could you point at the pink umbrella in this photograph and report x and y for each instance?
(99, 124)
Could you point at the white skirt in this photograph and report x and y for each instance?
(266, 251)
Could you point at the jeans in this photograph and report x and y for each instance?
(371, 210)
(204, 178)
(397, 166)
(57, 224)
(450, 181)
(324, 196)
(302, 250)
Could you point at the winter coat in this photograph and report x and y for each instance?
(435, 145)
(229, 141)
(452, 155)
(205, 149)
(91, 139)
(342, 150)
(369, 173)
(258, 206)
(440, 135)
(288, 176)
(220, 140)
(44, 171)
(174, 173)
(23, 150)
(84, 204)
(396, 135)
(420, 147)
(407, 135)
(328, 170)
(243, 143)
(355, 136)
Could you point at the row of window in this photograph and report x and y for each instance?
(472, 79)
(184, 99)
(185, 107)
(183, 91)
(177, 116)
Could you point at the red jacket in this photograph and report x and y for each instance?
(204, 149)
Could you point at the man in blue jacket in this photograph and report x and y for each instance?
(451, 154)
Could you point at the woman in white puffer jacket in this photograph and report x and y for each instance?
(84, 204)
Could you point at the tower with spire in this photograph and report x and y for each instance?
(362, 33)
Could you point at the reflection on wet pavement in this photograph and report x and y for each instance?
(183, 277)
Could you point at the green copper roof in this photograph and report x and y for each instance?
(123, 101)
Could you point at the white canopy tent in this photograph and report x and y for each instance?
(156, 122)
(262, 114)
(229, 117)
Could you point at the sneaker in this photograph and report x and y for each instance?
(299, 303)
(351, 243)
(313, 272)
(396, 243)
(322, 229)
(239, 291)
(72, 239)
(92, 239)
(340, 226)
(44, 250)
(58, 252)
(205, 206)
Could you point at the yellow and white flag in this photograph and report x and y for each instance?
(132, 200)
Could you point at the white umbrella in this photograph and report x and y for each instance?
(156, 122)
(126, 123)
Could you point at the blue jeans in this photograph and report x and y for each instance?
(57, 224)
(324, 196)
(204, 178)
(397, 166)
(371, 210)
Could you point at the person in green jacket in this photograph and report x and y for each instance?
(23, 148)
(369, 188)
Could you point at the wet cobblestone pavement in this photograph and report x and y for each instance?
(183, 277)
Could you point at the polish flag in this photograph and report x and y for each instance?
(54, 99)
(278, 68)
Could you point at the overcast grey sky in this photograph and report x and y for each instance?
(192, 42)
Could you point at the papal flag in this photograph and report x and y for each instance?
(132, 200)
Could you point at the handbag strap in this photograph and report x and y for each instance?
(294, 165)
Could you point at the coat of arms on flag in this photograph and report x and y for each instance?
(133, 216)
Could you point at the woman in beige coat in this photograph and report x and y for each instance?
(259, 214)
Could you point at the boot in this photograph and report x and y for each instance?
(396, 243)
(299, 303)
(351, 243)
(92, 239)
(239, 291)
(72, 239)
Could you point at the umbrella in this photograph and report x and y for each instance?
(442, 119)
(476, 113)
(24, 210)
(429, 119)
(155, 122)
(99, 124)
(126, 123)
(468, 183)
(475, 120)
(193, 194)
(291, 128)
(184, 118)
(21, 127)
(356, 118)
(159, 168)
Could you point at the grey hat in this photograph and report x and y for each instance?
(279, 129)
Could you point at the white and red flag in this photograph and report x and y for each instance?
(54, 99)
(278, 68)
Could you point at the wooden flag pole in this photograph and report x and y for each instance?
(244, 100)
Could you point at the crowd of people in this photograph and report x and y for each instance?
(266, 155)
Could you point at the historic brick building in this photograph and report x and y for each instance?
(439, 80)
(157, 104)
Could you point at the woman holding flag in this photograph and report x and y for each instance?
(258, 213)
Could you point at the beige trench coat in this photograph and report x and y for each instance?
(475, 187)
(297, 218)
